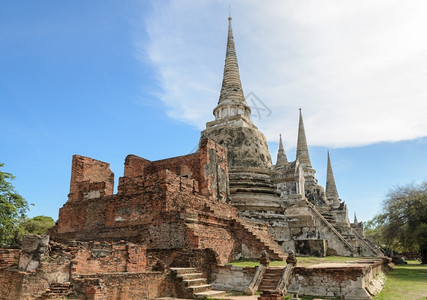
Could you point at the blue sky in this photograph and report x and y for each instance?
(106, 79)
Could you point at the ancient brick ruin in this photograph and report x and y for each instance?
(177, 203)
(175, 223)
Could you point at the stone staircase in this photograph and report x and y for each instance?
(328, 216)
(271, 279)
(332, 228)
(194, 285)
(57, 291)
(369, 245)
(265, 238)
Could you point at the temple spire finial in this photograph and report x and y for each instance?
(231, 100)
(355, 218)
(302, 149)
(281, 155)
(331, 188)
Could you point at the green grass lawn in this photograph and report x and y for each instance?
(405, 282)
(255, 263)
(302, 261)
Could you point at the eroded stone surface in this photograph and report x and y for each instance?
(34, 250)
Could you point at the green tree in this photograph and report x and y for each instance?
(36, 225)
(402, 224)
(12, 209)
(373, 231)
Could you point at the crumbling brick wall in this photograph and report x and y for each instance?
(208, 167)
(150, 199)
(9, 257)
(202, 259)
(90, 178)
(107, 257)
(116, 286)
(217, 235)
(176, 203)
(150, 205)
(13, 281)
(168, 214)
(67, 262)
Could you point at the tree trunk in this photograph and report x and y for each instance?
(424, 255)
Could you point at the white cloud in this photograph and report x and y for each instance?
(358, 69)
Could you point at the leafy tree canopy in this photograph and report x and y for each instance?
(36, 225)
(402, 223)
(12, 208)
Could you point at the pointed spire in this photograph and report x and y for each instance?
(331, 188)
(281, 155)
(355, 219)
(302, 149)
(231, 86)
(281, 143)
(231, 100)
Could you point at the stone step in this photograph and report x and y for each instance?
(196, 281)
(62, 284)
(272, 276)
(274, 254)
(267, 288)
(273, 272)
(195, 284)
(271, 245)
(276, 251)
(272, 283)
(180, 271)
(200, 288)
(212, 294)
(266, 242)
(57, 289)
(271, 279)
(188, 276)
(264, 239)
